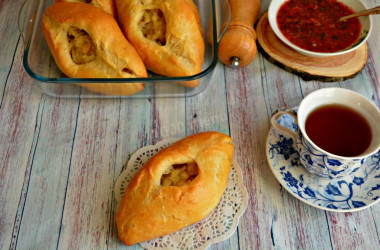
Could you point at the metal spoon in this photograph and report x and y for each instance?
(372, 11)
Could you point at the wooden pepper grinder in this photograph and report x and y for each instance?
(238, 45)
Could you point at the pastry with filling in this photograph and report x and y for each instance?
(177, 187)
(166, 34)
(106, 5)
(194, 8)
(86, 42)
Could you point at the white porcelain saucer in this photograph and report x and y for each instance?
(349, 194)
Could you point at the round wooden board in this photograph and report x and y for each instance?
(328, 69)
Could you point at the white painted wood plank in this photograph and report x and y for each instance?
(376, 218)
(88, 203)
(50, 166)
(135, 131)
(208, 111)
(10, 39)
(354, 230)
(18, 114)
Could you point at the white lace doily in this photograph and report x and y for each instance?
(220, 224)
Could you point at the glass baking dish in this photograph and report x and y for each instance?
(40, 65)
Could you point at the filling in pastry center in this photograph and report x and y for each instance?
(153, 26)
(84, 1)
(180, 174)
(82, 48)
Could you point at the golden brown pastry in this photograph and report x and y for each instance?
(196, 13)
(86, 42)
(177, 187)
(106, 5)
(166, 35)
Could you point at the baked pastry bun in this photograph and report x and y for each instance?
(177, 187)
(86, 42)
(106, 5)
(166, 35)
(196, 13)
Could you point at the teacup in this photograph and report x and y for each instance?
(317, 160)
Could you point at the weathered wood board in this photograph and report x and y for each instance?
(59, 158)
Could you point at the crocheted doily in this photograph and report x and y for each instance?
(220, 224)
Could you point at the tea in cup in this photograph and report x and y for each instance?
(338, 129)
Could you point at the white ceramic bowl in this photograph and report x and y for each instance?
(355, 5)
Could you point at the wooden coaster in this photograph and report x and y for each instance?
(328, 69)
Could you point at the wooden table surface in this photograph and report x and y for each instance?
(60, 158)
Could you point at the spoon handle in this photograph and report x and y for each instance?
(372, 11)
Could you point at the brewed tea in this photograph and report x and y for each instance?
(339, 130)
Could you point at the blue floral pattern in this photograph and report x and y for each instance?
(351, 193)
(323, 165)
(284, 147)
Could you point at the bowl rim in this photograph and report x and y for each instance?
(272, 14)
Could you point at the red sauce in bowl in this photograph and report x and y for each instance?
(313, 25)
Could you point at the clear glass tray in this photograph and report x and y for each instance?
(40, 65)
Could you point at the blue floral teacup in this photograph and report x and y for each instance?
(316, 160)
